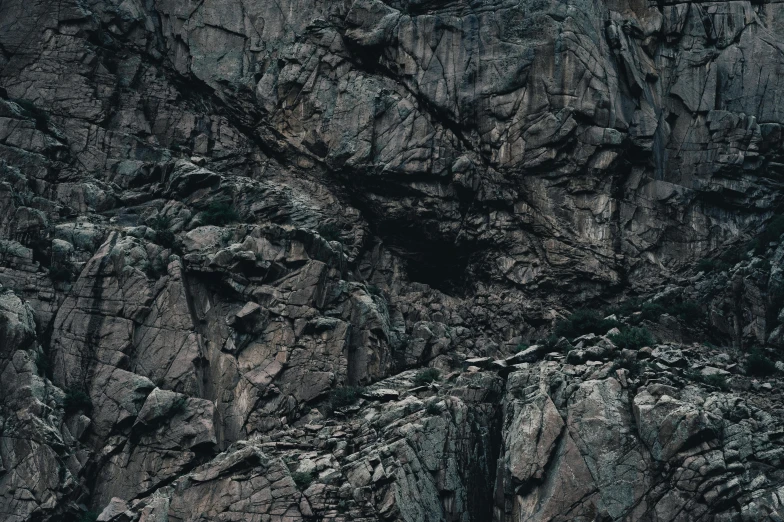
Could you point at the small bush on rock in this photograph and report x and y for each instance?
(166, 238)
(717, 381)
(76, 400)
(712, 265)
(220, 214)
(329, 231)
(432, 409)
(760, 365)
(426, 376)
(345, 396)
(179, 405)
(60, 273)
(302, 479)
(584, 321)
(633, 338)
(687, 311)
(550, 341)
(42, 363)
(652, 311)
(88, 516)
(625, 308)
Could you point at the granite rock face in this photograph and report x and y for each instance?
(233, 232)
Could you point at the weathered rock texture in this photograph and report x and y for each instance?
(215, 213)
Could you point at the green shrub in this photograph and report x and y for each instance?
(550, 341)
(42, 363)
(432, 409)
(88, 516)
(628, 362)
(687, 311)
(520, 347)
(633, 338)
(345, 396)
(179, 405)
(329, 231)
(426, 376)
(758, 364)
(712, 265)
(76, 400)
(733, 256)
(166, 238)
(60, 273)
(160, 222)
(625, 308)
(652, 311)
(717, 381)
(584, 321)
(302, 479)
(219, 214)
(163, 235)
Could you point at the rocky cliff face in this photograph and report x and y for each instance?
(234, 232)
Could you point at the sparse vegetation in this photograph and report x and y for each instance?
(88, 516)
(652, 311)
(329, 231)
(60, 273)
(633, 338)
(220, 213)
(179, 405)
(432, 409)
(625, 308)
(520, 347)
(426, 376)
(584, 321)
(302, 479)
(166, 238)
(76, 400)
(631, 363)
(163, 235)
(758, 364)
(712, 265)
(42, 363)
(717, 381)
(549, 342)
(344, 396)
(687, 311)
(770, 233)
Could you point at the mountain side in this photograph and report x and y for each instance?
(401, 260)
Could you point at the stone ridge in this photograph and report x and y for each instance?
(316, 260)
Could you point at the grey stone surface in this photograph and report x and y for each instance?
(233, 233)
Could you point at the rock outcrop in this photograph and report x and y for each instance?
(233, 233)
